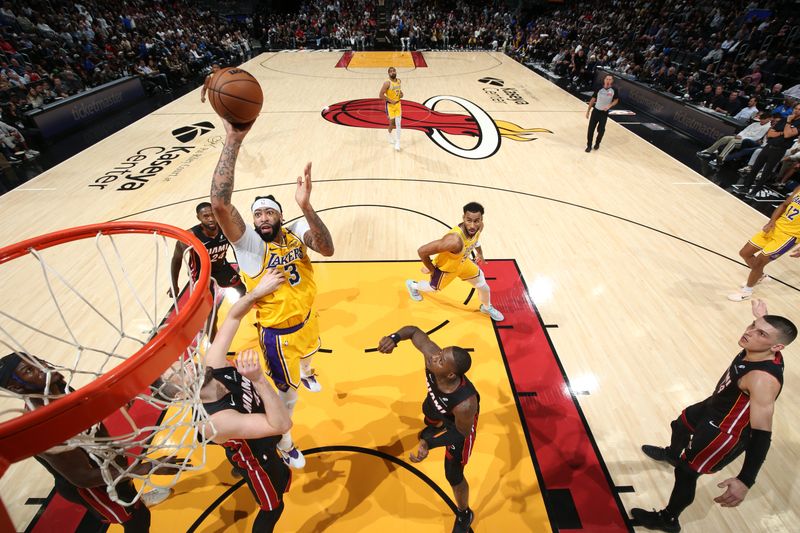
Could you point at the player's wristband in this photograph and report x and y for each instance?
(441, 436)
(754, 456)
(395, 338)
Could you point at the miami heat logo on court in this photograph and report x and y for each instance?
(371, 113)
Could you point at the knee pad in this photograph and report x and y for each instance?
(480, 282)
(454, 472)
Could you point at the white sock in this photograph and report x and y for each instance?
(747, 289)
(423, 286)
(483, 289)
(397, 127)
(289, 399)
(305, 367)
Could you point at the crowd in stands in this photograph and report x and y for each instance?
(53, 49)
(729, 56)
(320, 24)
(457, 25)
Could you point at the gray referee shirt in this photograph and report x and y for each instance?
(603, 98)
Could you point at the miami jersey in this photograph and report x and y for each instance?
(449, 262)
(291, 303)
(789, 221)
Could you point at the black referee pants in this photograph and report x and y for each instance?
(597, 120)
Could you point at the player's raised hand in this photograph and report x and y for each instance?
(759, 307)
(236, 133)
(735, 492)
(248, 364)
(272, 279)
(303, 193)
(386, 345)
(422, 452)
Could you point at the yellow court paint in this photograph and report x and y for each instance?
(381, 60)
(373, 402)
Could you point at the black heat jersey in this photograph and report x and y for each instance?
(439, 405)
(257, 459)
(217, 248)
(729, 406)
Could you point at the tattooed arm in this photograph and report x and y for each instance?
(318, 238)
(228, 217)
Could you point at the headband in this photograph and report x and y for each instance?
(265, 203)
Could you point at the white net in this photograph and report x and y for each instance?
(74, 312)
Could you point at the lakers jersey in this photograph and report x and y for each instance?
(449, 262)
(291, 303)
(789, 221)
(394, 89)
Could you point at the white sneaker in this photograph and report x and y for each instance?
(310, 382)
(740, 296)
(397, 146)
(156, 496)
(412, 291)
(496, 315)
(294, 457)
(32, 153)
(391, 139)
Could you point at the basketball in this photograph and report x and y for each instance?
(235, 95)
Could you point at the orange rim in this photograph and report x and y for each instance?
(36, 431)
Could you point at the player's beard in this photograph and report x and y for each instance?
(392, 77)
(275, 229)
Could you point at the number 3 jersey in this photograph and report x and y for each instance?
(291, 303)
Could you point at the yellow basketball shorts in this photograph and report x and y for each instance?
(773, 244)
(394, 110)
(284, 347)
(466, 270)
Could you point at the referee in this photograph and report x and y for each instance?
(602, 100)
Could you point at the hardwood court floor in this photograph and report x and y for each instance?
(627, 251)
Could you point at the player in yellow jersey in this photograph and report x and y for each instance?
(288, 331)
(777, 237)
(453, 260)
(391, 93)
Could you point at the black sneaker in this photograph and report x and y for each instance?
(596, 146)
(659, 454)
(588, 148)
(655, 520)
(463, 521)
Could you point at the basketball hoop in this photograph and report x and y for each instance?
(83, 297)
